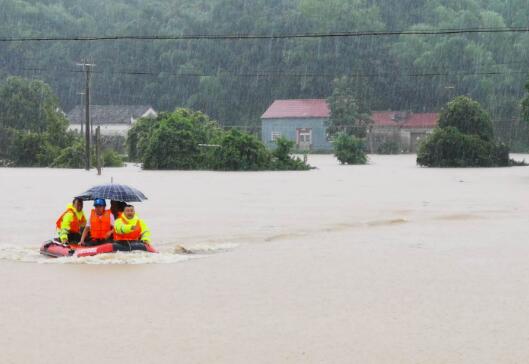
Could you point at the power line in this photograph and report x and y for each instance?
(237, 36)
(281, 74)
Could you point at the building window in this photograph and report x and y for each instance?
(275, 136)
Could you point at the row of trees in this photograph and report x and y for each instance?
(33, 132)
(234, 81)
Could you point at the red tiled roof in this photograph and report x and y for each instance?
(383, 118)
(421, 120)
(318, 108)
(405, 120)
(303, 108)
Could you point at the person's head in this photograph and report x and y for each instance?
(129, 211)
(117, 206)
(77, 204)
(99, 205)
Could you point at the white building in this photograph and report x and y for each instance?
(114, 120)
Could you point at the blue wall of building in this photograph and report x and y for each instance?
(288, 129)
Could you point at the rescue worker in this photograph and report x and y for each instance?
(129, 227)
(100, 224)
(71, 223)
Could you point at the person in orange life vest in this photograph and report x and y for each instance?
(129, 227)
(100, 224)
(71, 223)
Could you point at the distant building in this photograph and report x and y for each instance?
(304, 122)
(115, 120)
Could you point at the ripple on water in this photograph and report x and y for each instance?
(30, 254)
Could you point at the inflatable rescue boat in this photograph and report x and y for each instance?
(53, 248)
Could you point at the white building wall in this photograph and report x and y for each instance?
(106, 129)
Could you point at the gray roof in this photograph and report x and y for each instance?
(107, 114)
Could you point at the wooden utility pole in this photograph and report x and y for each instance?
(98, 150)
(82, 102)
(87, 68)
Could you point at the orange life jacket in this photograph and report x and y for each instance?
(133, 235)
(99, 225)
(75, 226)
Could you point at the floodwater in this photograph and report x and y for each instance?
(384, 263)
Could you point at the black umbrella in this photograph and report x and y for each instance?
(115, 192)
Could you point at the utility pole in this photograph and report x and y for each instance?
(98, 150)
(81, 104)
(87, 68)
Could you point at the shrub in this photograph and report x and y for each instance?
(448, 147)
(468, 117)
(181, 140)
(282, 159)
(71, 157)
(464, 138)
(240, 152)
(111, 159)
(175, 142)
(349, 149)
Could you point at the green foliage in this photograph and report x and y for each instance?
(389, 147)
(464, 138)
(484, 66)
(71, 157)
(27, 149)
(175, 142)
(349, 149)
(468, 117)
(282, 159)
(29, 105)
(138, 137)
(448, 147)
(240, 152)
(190, 140)
(33, 131)
(111, 159)
(346, 114)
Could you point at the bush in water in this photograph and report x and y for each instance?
(111, 159)
(175, 142)
(464, 138)
(187, 139)
(349, 149)
(282, 159)
(239, 151)
(448, 147)
(71, 157)
(468, 117)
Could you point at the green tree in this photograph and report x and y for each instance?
(349, 149)
(464, 138)
(175, 142)
(240, 151)
(30, 115)
(468, 117)
(347, 115)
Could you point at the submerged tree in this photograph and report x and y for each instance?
(186, 139)
(464, 138)
(349, 149)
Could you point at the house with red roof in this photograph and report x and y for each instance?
(304, 122)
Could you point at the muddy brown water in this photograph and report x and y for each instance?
(384, 263)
